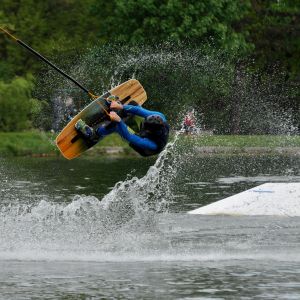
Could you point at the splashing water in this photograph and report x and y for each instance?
(132, 223)
(230, 99)
(124, 220)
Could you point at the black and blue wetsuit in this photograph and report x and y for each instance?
(143, 142)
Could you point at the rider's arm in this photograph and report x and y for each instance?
(142, 112)
(144, 143)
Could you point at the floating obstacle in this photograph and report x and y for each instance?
(273, 199)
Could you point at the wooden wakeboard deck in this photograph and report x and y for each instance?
(70, 143)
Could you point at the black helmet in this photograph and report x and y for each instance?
(154, 120)
(154, 124)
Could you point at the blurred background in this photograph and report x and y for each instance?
(235, 63)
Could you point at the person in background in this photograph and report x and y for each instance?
(189, 123)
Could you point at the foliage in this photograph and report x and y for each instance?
(37, 115)
(27, 143)
(274, 28)
(186, 53)
(50, 27)
(38, 143)
(145, 21)
(14, 104)
(242, 141)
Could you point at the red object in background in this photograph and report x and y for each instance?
(189, 120)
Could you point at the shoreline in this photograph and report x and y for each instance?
(250, 150)
(123, 152)
(41, 144)
(205, 150)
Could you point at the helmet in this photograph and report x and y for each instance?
(153, 123)
(112, 98)
(154, 120)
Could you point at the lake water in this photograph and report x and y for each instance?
(68, 230)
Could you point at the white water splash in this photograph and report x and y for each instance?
(124, 220)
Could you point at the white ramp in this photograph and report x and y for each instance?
(277, 199)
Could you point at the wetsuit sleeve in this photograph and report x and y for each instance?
(136, 140)
(142, 112)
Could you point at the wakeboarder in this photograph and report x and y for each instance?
(151, 137)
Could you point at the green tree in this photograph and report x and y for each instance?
(51, 27)
(15, 105)
(274, 29)
(145, 21)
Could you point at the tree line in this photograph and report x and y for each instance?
(236, 62)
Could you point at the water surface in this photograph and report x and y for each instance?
(67, 231)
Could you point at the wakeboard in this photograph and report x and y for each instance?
(71, 143)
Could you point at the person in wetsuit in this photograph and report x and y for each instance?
(151, 138)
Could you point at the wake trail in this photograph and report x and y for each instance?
(125, 218)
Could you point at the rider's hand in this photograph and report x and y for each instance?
(116, 105)
(114, 117)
